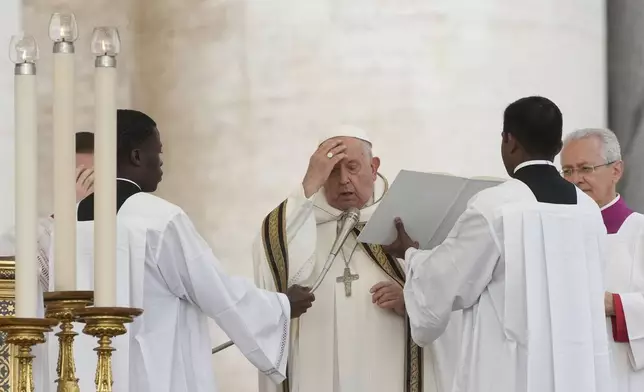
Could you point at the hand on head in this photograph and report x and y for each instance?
(388, 295)
(402, 243)
(321, 164)
(84, 182)
(300, 298)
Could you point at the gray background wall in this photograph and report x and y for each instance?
(625, 50)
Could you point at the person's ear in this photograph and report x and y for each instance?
(618, 171)
(375, 164)
(513, 144)
(135, 157)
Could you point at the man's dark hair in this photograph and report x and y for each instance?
(133, 128)
(84, 143)
(536, 122)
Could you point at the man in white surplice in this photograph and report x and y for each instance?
(525, 263)
(354, 338)
(165, 267)
(592, 160)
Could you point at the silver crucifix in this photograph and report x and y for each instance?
(347, 278)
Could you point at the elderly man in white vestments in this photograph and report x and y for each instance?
(592, 160)
(166, 268)
(525, 264)
(355, 337)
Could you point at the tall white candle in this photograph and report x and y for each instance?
(105, 44)
(24, 54)
(63, 32)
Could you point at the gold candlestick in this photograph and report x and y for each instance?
(63, 306)
(106, 323)
(25, 333)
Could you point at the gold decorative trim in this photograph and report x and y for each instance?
(105, 323)
(274, 240)
(8, 352)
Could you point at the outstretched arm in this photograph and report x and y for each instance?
(257, 321)
(449, 277)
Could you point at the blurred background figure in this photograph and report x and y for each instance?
(84, 165)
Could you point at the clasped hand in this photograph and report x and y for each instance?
(300, 299)
(388, 295)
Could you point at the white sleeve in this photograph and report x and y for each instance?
(449, 277)
(301, 235)
(257, 321)
(633, 305)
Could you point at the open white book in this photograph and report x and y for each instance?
(429, 205)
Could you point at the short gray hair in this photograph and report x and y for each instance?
(611, 151)
(367, 149)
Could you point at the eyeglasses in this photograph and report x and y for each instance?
(584, 170)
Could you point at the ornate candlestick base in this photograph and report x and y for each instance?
(64, 306)
(104, 324)
(25, 333)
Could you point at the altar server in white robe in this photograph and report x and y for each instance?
(355, 337)
(592, 160)
(166, 268)
(525, 264)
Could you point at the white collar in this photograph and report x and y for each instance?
(534, 162)
(128, 180)
(612, 203)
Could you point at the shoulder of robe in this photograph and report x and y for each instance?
(583, 200)
(155, 211)
(489, 200)
(637, 217)
(637, 220)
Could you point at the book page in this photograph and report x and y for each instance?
(471, 188)
(428, 204)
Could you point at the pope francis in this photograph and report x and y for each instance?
(356, 336)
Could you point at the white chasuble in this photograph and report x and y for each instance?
(625, 277)
(342, 343)
(529, 279)
(168, 270)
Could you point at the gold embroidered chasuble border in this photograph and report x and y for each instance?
(275, 246)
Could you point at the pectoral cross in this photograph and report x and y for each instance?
(347, 278)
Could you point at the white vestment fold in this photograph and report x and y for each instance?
(625, 276)
(165, 267)
(344, 343)
(529, 278)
